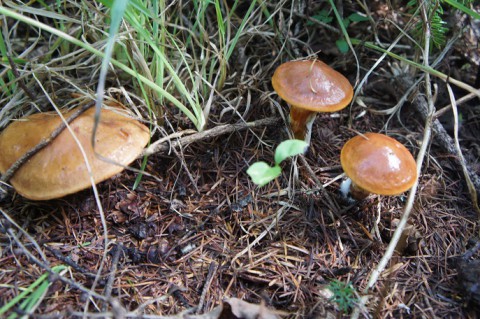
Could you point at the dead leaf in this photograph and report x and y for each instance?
(245, 310)
(234, 308)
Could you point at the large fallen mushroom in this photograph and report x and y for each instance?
(59, 169)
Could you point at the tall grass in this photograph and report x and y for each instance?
(189, 59)
(177, 56)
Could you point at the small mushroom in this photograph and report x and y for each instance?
(310, 87)
(59, 169)
(376, 163)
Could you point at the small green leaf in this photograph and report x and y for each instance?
(320, 18)
(289, 148)
(342, 45)
(357, 17)
(261, 173)
(323, 16)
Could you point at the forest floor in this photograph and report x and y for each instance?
(197, 230)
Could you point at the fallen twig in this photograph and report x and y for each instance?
(461, 159)
(111, 277)
(67, 260)
(212, 270)
(161, 147)
(440, 134)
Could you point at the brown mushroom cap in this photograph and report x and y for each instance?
(379, 164)
(312, 85)
(59, 168)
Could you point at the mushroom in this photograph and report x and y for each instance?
(59, 169)
(376, 163)
(310, 87)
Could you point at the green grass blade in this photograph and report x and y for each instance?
(179, 83)
(117, 12)
(461, 7)
(10, 75)
(239, 31)
(340, 21)
(136, 20)
(36, 289)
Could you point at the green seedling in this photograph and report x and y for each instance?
(343, 295)
(261, 173)
(322, 16)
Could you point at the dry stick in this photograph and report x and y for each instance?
(442, 137)
(461, 100)
(154, 148)
(111, 277)
(213, 132)
(212, 270)
(68, 260)
(25, 157)
(461, 158)
(429, 113)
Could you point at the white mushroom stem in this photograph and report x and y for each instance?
(356, 192)
(301, 122)
(345, 187)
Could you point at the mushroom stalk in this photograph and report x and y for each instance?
(349, 189)
(301, 122)
(357, 192)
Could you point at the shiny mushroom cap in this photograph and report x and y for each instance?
(312, 85)
(379, 164)
(59, 169)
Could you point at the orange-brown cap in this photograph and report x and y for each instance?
(379, 164)
(59, 168)
(312, 85)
